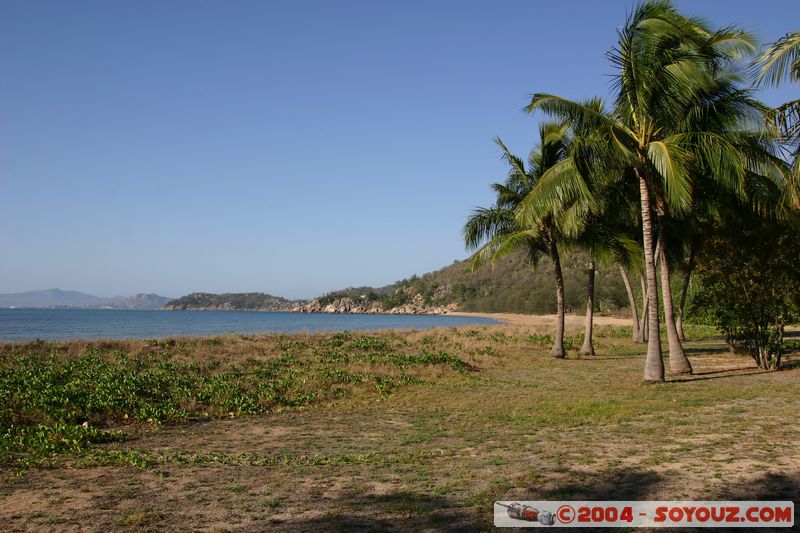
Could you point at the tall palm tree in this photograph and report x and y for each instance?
(496, 231)
(626, 280)
(595, 220)
(677, 98)
(605, 245)
(779, 62)
(588, 217)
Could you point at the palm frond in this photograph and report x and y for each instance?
(508, 195)
(716, 158)
(514, 161)
(670, 161)
(502, 245)
(484, 223)
(780, 60)
(576, 113)
(786, 119)
(558, 188)
(734, 43)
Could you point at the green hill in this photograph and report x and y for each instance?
(241, 301)
(510, 285)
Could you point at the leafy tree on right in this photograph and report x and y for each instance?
(748, 285)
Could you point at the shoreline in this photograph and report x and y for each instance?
(154, 325)
(571, 321)
(573, 324)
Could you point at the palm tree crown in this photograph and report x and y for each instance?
(680, 119)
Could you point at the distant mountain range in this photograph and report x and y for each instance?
(56, 298)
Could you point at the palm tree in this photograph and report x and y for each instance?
(778, 62)
(594, 220)
(496, 231)
(589, 218)
(626, 280)
(605, 245)
(677, 99)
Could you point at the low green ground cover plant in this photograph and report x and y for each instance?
(62, 398)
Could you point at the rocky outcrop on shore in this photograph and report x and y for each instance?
(347, 305)
(408, 303)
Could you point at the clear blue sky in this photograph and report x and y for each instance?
(287, 147)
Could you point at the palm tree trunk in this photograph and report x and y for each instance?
(643, 326)
(632, 301)
(645, 301)
(678, 362)
(558, 343)
(588, 347)
(653, 364)
(685, 289)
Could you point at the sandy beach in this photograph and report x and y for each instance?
(572, 322)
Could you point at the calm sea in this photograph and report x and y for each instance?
(28, 324)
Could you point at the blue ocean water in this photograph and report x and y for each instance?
(49, 324)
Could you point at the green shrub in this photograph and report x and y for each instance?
(542, 341)
(52, 403)
(748, 285)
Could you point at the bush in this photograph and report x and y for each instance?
(749, 287)
(53, 402)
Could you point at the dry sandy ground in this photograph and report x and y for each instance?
(572, 322)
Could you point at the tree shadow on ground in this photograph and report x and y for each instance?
(398, 511)
(414, 511)
(613, 484)
(628, 483)
(637, 484)
(701, 377)
(791, 364)
(706, 350)
(768, 486)
(590, 358)
(407, 511)
(724, 370)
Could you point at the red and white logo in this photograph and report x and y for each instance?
(746, 514)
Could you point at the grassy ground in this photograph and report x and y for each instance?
(420, 430)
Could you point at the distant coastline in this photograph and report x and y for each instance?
(509, 286)
(407, 305)
(60, 299)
